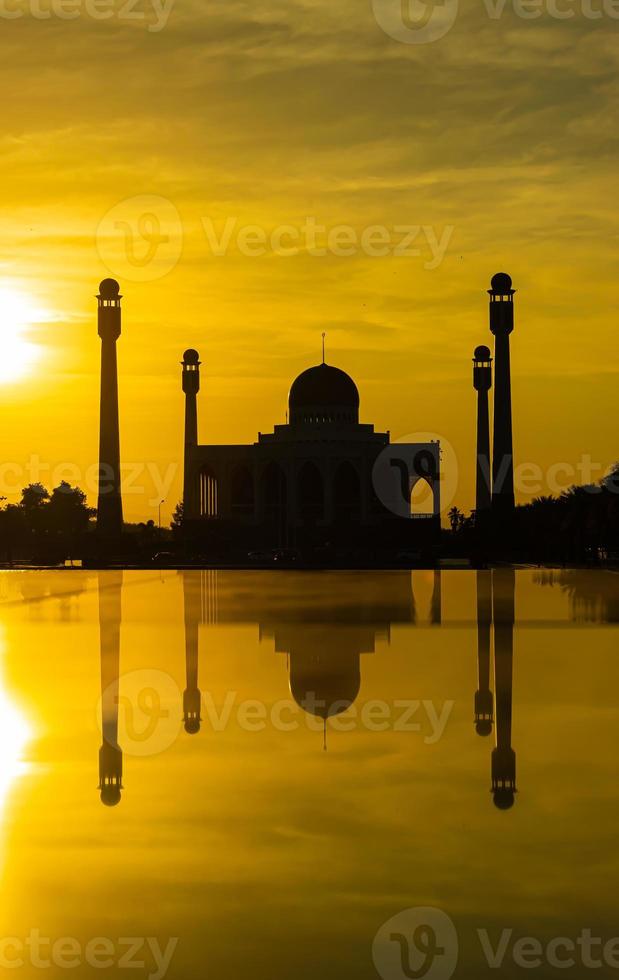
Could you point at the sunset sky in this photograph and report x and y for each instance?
(499, 139)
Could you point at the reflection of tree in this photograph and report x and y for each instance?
(593, 595)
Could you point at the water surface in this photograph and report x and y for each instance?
(209, 695)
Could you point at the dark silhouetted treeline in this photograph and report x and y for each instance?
(48, 528)
(580, 526)
(43, 526)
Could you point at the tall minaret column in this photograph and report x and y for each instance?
(501, 324)
(109, 505)
(191, 387)
(482, 382)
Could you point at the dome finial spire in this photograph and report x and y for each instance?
(323, 347)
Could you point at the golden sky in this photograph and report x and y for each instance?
(498, 139)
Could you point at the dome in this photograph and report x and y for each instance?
(501, 283)
(323, 394)
(482, 353)
(191, 356)
(324, 695)
(109, 289)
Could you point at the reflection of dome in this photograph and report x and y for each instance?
(191, 356)
(109, 289)
(192, 725)
(501, 283)
(323, 393)
(325, 686)
(110, 794)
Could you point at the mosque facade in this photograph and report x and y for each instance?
(321, 479)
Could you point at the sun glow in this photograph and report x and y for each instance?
(18, 354)
(15, 734)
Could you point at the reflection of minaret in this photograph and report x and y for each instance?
(192, 596)
(109, 506)
(482, 382)
(191, 387)
(436, 601)
(501, 325)
(110, 753)
(503, 756)
(484, 701)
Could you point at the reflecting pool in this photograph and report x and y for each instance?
(287, 775)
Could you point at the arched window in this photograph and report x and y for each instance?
(310, 493)
(209, 504)
(242, 490)
(422, 498)
(423, 475)
(347, 493)
(274, 491)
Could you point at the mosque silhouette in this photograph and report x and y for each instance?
(322, 480)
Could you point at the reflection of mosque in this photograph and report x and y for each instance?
(324, 652)
(324, 638)
(495, 602)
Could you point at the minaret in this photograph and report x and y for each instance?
(484, 700)
(482, 382)
(501, 325)
(109, 506)
(110, 753)
(503, 756)
(191, 695)
(191, 387)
